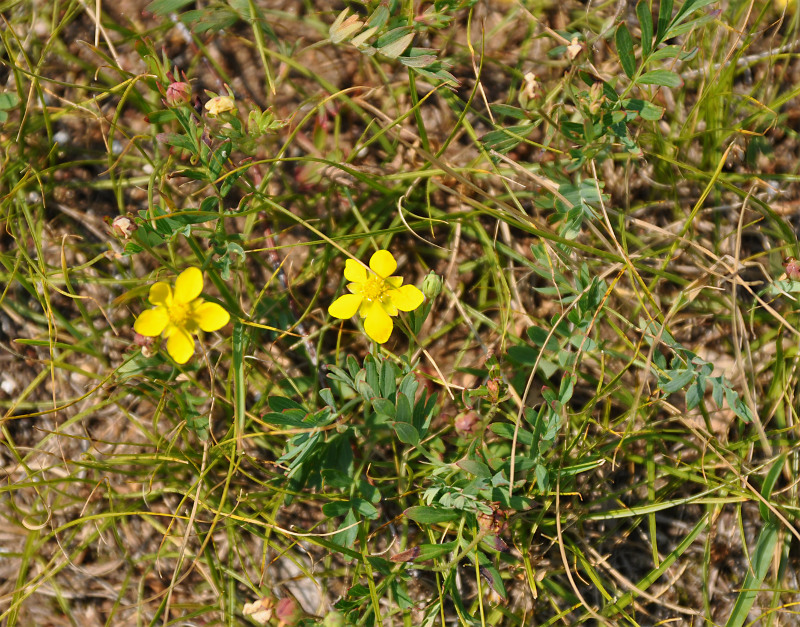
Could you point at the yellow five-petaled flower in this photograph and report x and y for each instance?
(376, 295)
(179, 314)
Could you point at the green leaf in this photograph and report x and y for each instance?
(646, 110)
(8, 100)
(665, 78)
(506, 430)
(282, 403)
(766, 490)
(667, 52)
(492, 576)
(365, 508)
(542, 478)
(524, 354)
(418, 61)
(348, 531)
(379, 17)
(717, 391)
(759, 567)
(664, 17)
(394, 43)
(283, 419)
(217, 160)
(385, 407)
(688, 7)
(646, 24)
(678, 380)
(737, 405)
(695, 24)
(430, 515)
(179, 141)
(542, 337)
(406, 433)
(694, 395)
(160, 117)
(503, 140)
(404, 411)
(425, 552)
(625, 50)
(474, 467)
(165, 7)
(508, 111)
(335, 509)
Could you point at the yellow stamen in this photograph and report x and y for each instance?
(374, 289)
(178, 312)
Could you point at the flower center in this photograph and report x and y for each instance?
(178, 313)
(374, 288)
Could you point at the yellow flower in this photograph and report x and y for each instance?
(220, 104)
(179, 314)
(376, 295)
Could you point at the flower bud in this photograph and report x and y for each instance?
(792, 266)
(466, 423)
(333, 619)
(288, 612)
(123, 226)
(432, 285)
(179, 93)
(493, 388)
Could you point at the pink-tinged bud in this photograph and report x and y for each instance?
(142, 340)
(145, 343)
(493, 387)
(466, 423)
(792, 266)
(288, 612)
(123, 226)
(179, 93)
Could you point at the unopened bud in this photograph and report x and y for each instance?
(179, 93)
(333, 619)
(493, 387)
(288, 612)
(432, 285)
(466, 422)
(792, 266)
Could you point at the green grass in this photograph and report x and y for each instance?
(590, 420)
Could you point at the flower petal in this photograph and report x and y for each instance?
(160, 294)
(378, 324)
(210, 316)
(394, 281)
(356, 288)
(152, 322)
(345, 306)
(406, 298)
(388, 306)
(188, 285)
(180, 346)
(382, 263)
(355, 271)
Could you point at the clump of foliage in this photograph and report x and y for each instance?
(398, 313)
